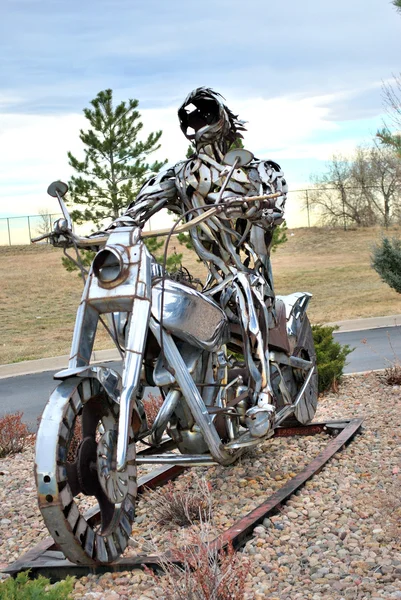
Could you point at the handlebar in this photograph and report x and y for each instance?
(101, 239)
(215, 209)
(40, 237)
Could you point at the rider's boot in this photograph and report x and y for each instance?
(260, 418)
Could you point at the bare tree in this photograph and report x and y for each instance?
(363, 190)
(376, 172)
(45, 224)
(392, 100)
(336, 197)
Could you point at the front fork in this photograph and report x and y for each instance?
(135, 346)
(133, 298)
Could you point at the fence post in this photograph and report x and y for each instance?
(307, 206)
(9, 234)
(29, 229)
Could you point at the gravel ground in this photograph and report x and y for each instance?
(338, 538)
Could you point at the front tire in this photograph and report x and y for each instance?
(75, 462)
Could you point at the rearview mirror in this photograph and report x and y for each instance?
(238, 156)
(57, 186)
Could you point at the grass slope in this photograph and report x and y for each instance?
(38, 298)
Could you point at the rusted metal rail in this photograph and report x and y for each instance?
(45, 559)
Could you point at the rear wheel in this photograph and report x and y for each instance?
(87, 506)
(306, 407)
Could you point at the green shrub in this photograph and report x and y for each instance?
(22, 588)
(330, 355)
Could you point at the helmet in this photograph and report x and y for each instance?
(204, 119)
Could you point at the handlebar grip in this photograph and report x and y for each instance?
(40, 237)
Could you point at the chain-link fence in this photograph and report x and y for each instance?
(302, 210)
(20, 230)
(16, 231)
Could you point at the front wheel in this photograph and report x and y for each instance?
(75, 466)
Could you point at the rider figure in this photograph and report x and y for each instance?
(235, 246)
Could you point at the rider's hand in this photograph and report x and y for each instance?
(60, 237)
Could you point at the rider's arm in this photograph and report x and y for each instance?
(158, 192)
(271, 181)
(267, 179)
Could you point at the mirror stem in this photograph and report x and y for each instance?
(64, 210)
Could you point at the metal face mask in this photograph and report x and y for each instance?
(204, 119)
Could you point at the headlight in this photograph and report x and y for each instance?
(109, 266)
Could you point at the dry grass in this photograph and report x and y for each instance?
(152, 405)
(392, 375)
(183, 506)
(14, 434)
(335, 266)
(38, 298)
(202, 573)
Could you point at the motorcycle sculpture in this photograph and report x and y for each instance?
(177, 338)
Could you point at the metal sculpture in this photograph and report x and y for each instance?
(187, 342)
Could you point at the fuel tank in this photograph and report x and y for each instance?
(189, 315)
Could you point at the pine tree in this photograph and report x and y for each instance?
(114, 166)
(386, 261)
(391, 140)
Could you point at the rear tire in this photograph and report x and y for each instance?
(306, 408)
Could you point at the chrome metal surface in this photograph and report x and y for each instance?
(238, 156)
(135, 345)
(192, 396)
(231, 363)
(289, 410)
(260, 419)
(295, 307)
(57, 188)
(293, 361)
(191, 355)
(190, 315)
(164, 415)
(107, 377)
(60, 477)
(192, 460)
(115, 484)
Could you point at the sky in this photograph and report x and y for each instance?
(306, 76)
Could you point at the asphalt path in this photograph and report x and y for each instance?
(373, 349)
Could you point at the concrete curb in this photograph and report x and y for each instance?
(60, 362)
(369, 323)
(27, 367)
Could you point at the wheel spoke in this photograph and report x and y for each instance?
(72, 478)
(107, 509)
(92, 412)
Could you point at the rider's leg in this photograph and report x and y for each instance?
(254, 317)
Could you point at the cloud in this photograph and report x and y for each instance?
(33, 148)
(306, 76)
(55, 55)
